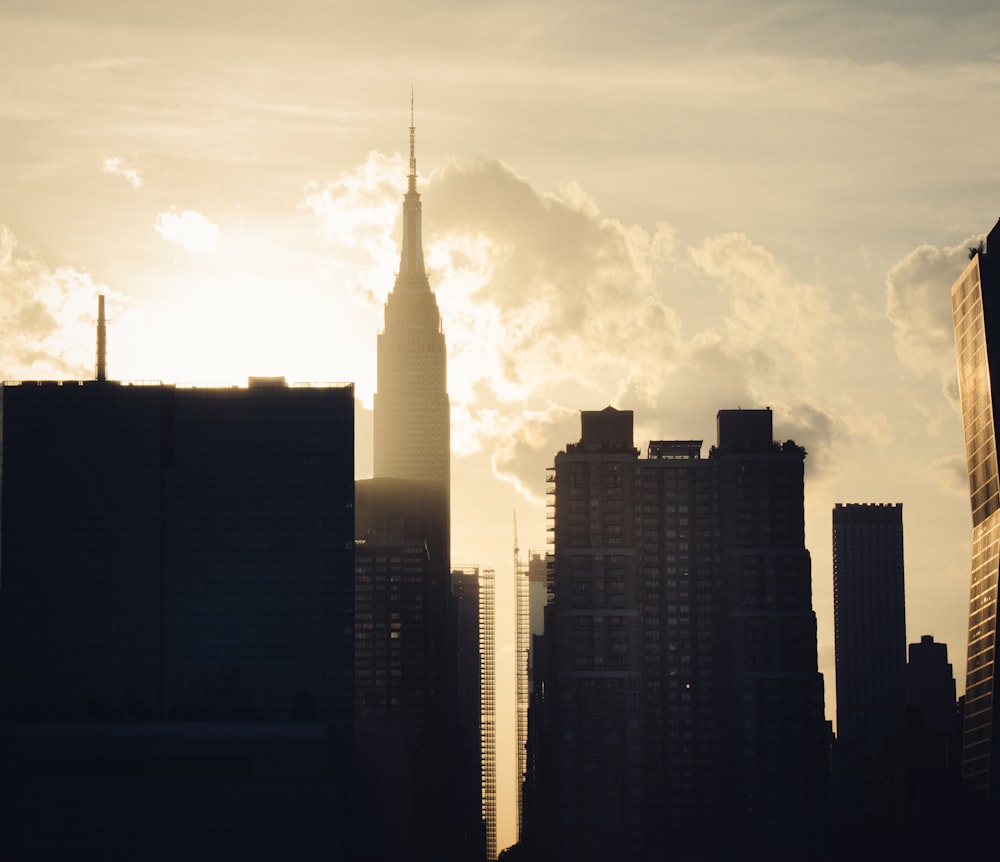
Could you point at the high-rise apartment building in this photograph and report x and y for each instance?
(869, 624)
(975, 303)
(176, 602)
(680, 674)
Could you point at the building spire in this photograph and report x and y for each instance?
(413, 150)
(411, 259)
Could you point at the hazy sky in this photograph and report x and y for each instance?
(669, 207)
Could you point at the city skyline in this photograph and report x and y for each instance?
(669, 210)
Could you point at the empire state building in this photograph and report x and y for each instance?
(412, 412)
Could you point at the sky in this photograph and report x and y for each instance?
(668, 207)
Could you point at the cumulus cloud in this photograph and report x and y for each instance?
(120, 167)
(918, 304)
(46, 316)
(190, 230)
(356, 214)
(549, 307)
(950, 474)
(767, 306)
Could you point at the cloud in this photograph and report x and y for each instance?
(46, 317)
(549, 308)
(950, 474)
(119, 166)
(356, 215)
(767, 306)
(918, 304)
(190, 230)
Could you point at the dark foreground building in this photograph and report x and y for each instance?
(682, 713)
(176, 618)
(870, 624)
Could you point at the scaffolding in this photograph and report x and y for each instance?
(522, 648)
(488, 710)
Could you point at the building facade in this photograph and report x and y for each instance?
(869, 623)
(412, 430)
(176, 567)
(680, 708)
(975, 303)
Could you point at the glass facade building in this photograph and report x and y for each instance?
(975, 302)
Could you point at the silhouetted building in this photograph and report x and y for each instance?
(975, 302)
(680, 683)
(531, 600)
(869, 623)
(931, 686)
(176, 569)
(480, 692)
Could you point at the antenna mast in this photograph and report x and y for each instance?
(102, 341)
(517, 550)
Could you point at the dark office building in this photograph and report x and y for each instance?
(869, 624)
(931, 686)
(176, 569)
(680, 708)
(975, 303)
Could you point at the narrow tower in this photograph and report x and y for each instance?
(869, 612)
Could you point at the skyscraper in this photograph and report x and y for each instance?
(412, 432)
(436, 778)
(681, 708)
(531, 598)
(869, 623)
(975, 303)
(488, 706)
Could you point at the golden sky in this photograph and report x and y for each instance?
(670, 207)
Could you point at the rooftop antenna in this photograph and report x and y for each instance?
(413, 151)
(102, 341)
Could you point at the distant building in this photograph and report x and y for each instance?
(869, 623)
(412, 430)
(680, 677)
(975, 302)
(531, 600)
(931, 686)
(176, 604)
(483, 701)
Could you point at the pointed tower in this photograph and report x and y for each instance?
(412, 411)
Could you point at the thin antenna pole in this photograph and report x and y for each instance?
(102, 341)
(413, 148)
